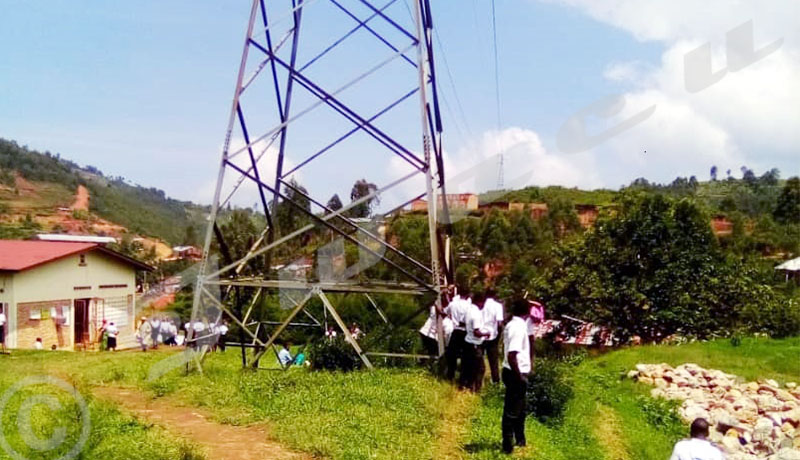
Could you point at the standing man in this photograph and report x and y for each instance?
(493, 316)
(457, 311)
(112, 332)
(155, 331)
(2, 331)
(516, 366)
(473, 366)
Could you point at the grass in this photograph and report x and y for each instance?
(613, 418)
(385, 414)
(44, 201)
(111, 434)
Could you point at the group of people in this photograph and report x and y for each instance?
(473, 325)
(286, 359)
(107, 336)
(155, 331)
(354, 330)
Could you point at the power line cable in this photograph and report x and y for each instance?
(500, 178)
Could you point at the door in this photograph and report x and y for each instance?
(82, 323)
(5, 313)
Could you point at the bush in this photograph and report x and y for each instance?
(661, 413)
(777, 316)
(333, 355)
(549, 390)
(393, 340)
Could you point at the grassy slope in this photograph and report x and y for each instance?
(386, 414)
(147, 211)
(112, 434)
(392, 414)
(613, 418)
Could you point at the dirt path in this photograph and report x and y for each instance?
(81, 199)
(608, 432)
(217, 440)
(451, 434)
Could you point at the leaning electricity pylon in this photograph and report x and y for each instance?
(330, 91)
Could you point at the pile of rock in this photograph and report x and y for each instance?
(753, 420)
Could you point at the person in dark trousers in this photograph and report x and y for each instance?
(493, 317)
(457, 311)
(473, 364)
(516, 367)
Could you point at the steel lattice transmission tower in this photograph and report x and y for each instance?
(327, 92)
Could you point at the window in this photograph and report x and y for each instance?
(82, 260)
(113, 286)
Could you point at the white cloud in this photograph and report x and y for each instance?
(708, 20)
(474, 168)
(750, 116)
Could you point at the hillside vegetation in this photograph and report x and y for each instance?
(33, 185)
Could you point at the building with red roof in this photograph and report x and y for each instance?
(62, 292)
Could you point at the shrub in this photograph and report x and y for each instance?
(397, 340)
(661, 413)
(778, 316)
(333, 355)
(549, 390)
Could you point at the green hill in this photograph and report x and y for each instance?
(33, 185)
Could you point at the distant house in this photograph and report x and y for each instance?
(721, 225)
(62, 291)
(455, 201)
(516, 206)
(502, 205)
(538, 210)
(186, 253)
(791, 269)
(587, 214)
(75, 238)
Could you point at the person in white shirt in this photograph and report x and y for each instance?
(456, 310)
(330, 333)
(38, 344)
(142, 333)
(516, 367)
(473, 365)
(155, 331)
(166, 333)
(222, 330)
(284, 355)
(112, 331)
(428, 334)
(698, 447)
(2, 332)
(199, 334)
(355, 331)
(493, 316)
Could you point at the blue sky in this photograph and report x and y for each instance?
(143, 89)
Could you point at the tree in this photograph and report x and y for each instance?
(787, 210)
(652, 270)
(335, 203)
(770, 178)
(292, 213)
(749, 177)
(362, 188)
(239, 230)
(714, 173)
(190, 238)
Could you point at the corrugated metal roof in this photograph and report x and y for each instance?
(18, 255)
